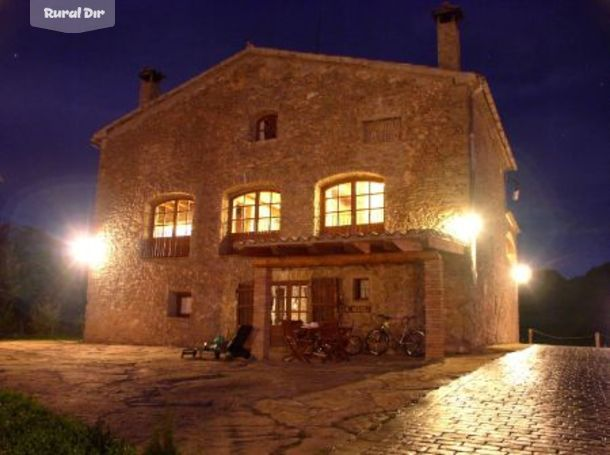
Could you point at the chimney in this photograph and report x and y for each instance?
(447, 17)
(149, 85)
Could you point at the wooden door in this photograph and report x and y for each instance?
(325, 298)
(245, 303)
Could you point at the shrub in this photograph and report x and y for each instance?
(28, 428)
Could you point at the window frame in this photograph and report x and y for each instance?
(358, 295)
(254, 233)
(302, 285)
(270, 116)
(152, 247)
(175, 200)
(175, 309)
(353, 227)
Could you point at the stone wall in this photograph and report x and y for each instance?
(460, 322)
(495, 310)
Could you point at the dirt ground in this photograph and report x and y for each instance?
(224, 406)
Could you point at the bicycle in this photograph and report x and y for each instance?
(353, 343)
(412, 341)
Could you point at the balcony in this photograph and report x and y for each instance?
(166, 247)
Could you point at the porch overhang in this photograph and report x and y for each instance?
(349, 245)
(422, 247)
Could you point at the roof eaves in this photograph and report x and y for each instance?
(508, 153)
(99, 135)
(415, 69)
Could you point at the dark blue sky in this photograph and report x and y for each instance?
(548, 63)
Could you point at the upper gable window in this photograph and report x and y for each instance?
(173, 218)
(266, 128)
(354, 203)
(256, 212)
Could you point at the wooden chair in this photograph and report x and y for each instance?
(300, 347)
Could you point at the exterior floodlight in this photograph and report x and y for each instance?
(521, 273)
(464, 228)
(89, 250)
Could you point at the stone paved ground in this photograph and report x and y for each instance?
(223, 407)
(545, 399)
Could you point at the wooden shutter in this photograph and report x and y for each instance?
(325, 298)
(245, 303)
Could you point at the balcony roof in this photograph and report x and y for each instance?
(360, 243)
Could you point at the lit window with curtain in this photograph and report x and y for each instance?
(173, 218)
(255, 212)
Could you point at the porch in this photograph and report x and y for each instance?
(283, 265)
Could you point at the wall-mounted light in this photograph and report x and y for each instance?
(521, 273)
(89, 250)
(465, 227)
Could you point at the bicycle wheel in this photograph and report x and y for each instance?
(414, 344)
(353, 345)
(377, 342)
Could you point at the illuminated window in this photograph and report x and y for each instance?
(266, 128)
(354, 203)
(173, 218)
(290, 301)
(258, 211)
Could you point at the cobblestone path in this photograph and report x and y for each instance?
(542, 400)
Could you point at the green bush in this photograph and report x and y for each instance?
(28, 428)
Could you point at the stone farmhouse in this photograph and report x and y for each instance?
(286, 185)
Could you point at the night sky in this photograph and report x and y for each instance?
(547, 61)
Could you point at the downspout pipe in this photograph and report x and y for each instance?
(472, 169)
(471, 141)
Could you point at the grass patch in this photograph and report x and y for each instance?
(18, 337)
(28, 428)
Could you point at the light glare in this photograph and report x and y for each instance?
(465, 228)
(89, 250)
(521, 273)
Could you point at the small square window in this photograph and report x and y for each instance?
(361, 289)
(180, 304)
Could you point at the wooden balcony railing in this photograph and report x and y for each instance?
(166, 247)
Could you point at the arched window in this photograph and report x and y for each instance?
(266, 128)
(173, 218)
(355, 203)
(255, 212)
(170, 228)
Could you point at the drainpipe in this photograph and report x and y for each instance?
(472, 168)
(471, 145)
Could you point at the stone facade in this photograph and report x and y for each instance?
(432, 135)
